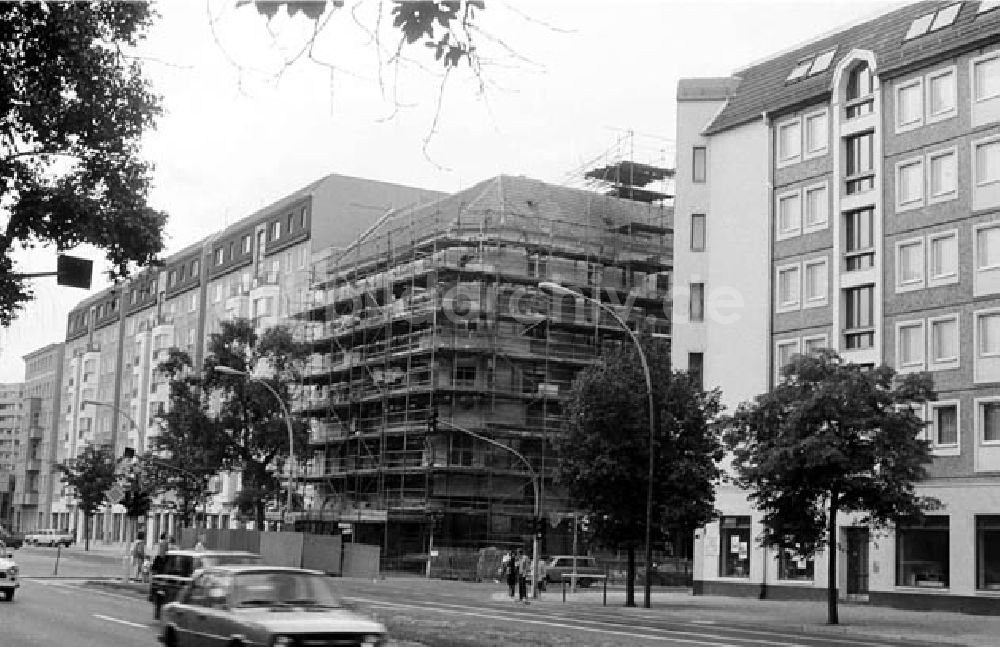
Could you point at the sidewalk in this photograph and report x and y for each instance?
(860, 620)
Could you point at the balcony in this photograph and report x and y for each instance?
(35, 432)
(26, 499)
(33, 465)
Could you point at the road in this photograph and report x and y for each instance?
(60, 612)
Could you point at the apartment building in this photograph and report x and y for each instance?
(257, 267)
(431, 333)
(35, 475)
(846, 194)
(10, 447)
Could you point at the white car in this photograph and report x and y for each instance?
(49, 538)
(8, 573)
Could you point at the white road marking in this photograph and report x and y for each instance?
(559, 625)
(121, 622)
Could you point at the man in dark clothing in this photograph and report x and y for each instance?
(512, 574)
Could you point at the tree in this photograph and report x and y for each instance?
(191, 447)
(831, 438)
(604, 456)
(90, 475)
(256, 435)
(75, 107)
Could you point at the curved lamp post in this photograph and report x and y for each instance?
(225, 370)
(534, 486)
(557, 289)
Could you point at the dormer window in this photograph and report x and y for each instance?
(811, 65)
(860, 92)
(933, 21)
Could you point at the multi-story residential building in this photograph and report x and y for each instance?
(111, 390)
(846, 194)
(36, 478)
(10, 447)
(433, 324)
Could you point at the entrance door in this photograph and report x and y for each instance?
(857, 561)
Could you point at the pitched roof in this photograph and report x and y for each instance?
(763, 87)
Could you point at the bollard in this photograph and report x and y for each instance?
(55, 571)
(564, 590)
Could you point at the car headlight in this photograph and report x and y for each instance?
(373, 640)
(282, 641)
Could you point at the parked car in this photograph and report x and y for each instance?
(179, 566)
(50, 537)
(237, 604)
(587, 571)
(11, 539)
(8, 573)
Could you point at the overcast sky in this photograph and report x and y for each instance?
(564, 83)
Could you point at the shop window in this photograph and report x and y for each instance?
(988, 552)
(792, 566)
(922, 554)
(734, 549)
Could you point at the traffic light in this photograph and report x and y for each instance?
(538, 525)
(432, 420)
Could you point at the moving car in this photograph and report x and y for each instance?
(11, 539)
(560, 567)
(8, 573)
(50, 537)
(180, 565)
(265, 605)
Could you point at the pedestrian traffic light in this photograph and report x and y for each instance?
(539, 528)
(432, 420)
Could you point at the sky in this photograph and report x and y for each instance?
(562, 84)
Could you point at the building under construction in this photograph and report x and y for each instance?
(432, 324)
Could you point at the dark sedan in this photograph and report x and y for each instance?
(175, 570)
(270, 606)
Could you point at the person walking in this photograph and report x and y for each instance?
(511, 570)
(139, 554)
(523, 569)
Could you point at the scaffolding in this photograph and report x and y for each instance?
(438, 307)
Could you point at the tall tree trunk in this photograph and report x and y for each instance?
(86, 532)
(258, 510)
(831, 586)
(630, 578)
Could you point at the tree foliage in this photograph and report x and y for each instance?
(256, 435)
(604, 456)
(831, 438)
(89, 475)
(191, 448)
(74, 109)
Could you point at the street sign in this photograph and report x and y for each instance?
(114, 494)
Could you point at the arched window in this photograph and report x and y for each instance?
(860, 91)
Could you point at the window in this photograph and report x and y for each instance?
(220, 256)
(193, 302)
(245, 244)
(217, 296)
(933, 21)
(792, 566)
(919, 26)
(789, 215)
(696, 368)
(988, 5)
(734, 547)
(909, 265)
(943, 175)
(989, 334)
(788, 288)
(910, 345)
(858, 317)
(811, 65)
(909, 105)
(800, 70)
(698, 164)
(944, 342)
(303, 214)
(860, 92)
(288, 223)
(817, 207)
(815, 282)
(986, 79)
(987, 158)
(922, 553)
(697, 304)
(784, 352)
(191, 334)
(822, 62)
(943, 258)
(944, 424)
(909, 184)
(988, 550)
(262, 307)
(813, 344)
(195, 266)
(941, 95)
(789, 142)
(465, 376)
(945, 16)
(860, 163)
(276, 230)
(816, 134)
(697, 232)
(859, 249)
(171, 278)
(988, 247)
(990, 415)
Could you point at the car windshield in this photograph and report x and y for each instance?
(216, 560)
(284, 588)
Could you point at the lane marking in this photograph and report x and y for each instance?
(559, 625)
(122, 622)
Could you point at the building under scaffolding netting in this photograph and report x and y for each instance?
(437, 309)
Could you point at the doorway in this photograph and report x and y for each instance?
(857, 561)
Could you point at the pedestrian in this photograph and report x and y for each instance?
(511, 573)
(139, 554)
(523, 569)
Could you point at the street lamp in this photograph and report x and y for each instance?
(534, 486)
(557, 289)
(225, 370)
